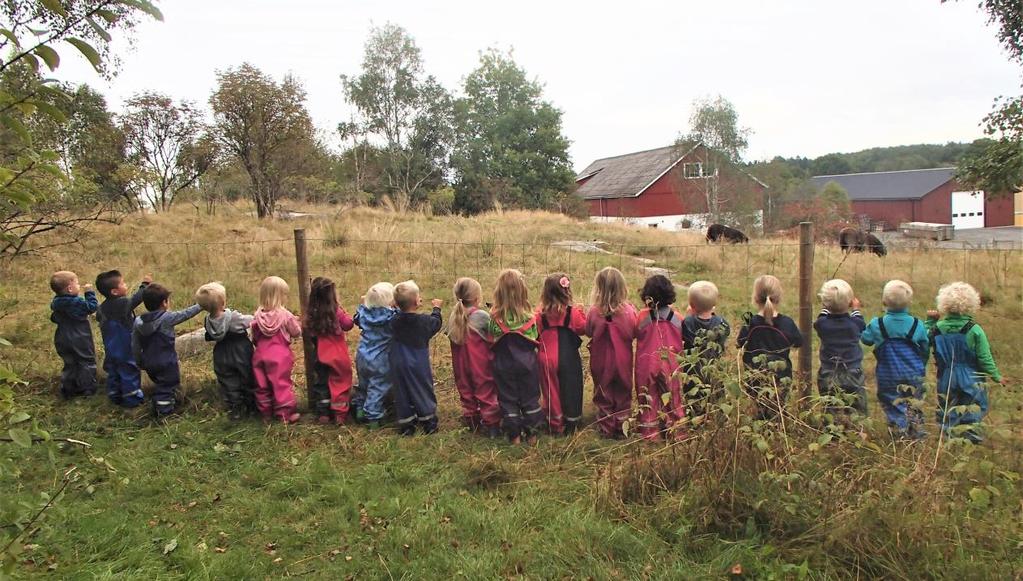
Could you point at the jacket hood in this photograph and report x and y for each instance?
(149, 323)
(230, 321)
(375, 316)
(272, 322)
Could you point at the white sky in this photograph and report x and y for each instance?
(808, 76)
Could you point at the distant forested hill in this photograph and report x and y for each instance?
(901, 157)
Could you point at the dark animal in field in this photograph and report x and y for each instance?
(856, 240)
(718, 232)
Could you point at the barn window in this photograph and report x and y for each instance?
(692, 170)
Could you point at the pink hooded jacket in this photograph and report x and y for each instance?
(269, 323)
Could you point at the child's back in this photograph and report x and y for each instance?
(658, 343)
(561, 366)
(232, 359)
(153, 345)
(705, 337)
(273, 361)
(116, 318)
(415, 400)
(373, 360)
(765, 342)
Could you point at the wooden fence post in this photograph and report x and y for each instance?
(806, 307)
(308, 348)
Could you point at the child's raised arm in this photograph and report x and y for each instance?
(178, 317)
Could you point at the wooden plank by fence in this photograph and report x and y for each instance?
(308, 349)
(806, 307)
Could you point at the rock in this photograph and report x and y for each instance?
(192, 344)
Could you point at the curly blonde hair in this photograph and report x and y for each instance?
(836, 295)
(958, 298)
(897, 294)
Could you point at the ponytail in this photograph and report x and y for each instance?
(769, 311)
(467, 293)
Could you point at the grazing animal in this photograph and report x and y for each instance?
(875, 245)
(718, 231)
(856, 240)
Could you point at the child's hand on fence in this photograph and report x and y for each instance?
(932, 314)
(147, 279)
(86, 288)
(855, 304)
(437, 303)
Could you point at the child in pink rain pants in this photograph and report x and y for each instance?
(561, 367)
(658, 345)
(326, 322)
(273, 329)
(472, 359)
(611, 322)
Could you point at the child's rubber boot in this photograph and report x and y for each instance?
(493, 432)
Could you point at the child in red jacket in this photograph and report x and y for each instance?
(326, 323)
(472, 360)
(611, 322)
(561, 367)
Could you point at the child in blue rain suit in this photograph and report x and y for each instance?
(373, 356)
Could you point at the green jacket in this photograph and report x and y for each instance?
(976, 340)
(514, 325)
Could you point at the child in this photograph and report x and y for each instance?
(658, 346)
(765, 339)
(561, 367)
(373, 357)
(232, 353)
(704, 334)
(326, 322)
(116, 317)
(901, 348)
(152, 341)
(414, 399)
(841, 371)
(273, 329)
(611, 322)
(73, 337)
(472, 360)
(513, 327)
(964, 359)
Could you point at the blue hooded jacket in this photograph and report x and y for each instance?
(152, 339)
(375, 346)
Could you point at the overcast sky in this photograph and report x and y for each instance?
(809, 77)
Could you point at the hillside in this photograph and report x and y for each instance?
(203, 497)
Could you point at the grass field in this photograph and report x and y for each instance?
(201, 497)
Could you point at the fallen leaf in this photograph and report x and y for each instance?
(278, 559)
(201, 547)
(219, 550)
(192, 504)
(173, 446)
(348, 557)
(170, 546)
(217, 498)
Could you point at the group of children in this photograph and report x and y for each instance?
(517, 368)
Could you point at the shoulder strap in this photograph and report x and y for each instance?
(653, 315)
(913, 328)
(671, 314)
(966, 328)
(884, 331)
(544, 325)
(568, 315)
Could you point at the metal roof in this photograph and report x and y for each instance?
(627, 175)
(910, 184)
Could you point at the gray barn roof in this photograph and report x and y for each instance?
(627, 175)
(889, 185)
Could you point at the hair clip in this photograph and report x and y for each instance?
(564, 282)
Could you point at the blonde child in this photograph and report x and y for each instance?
(611, 322)
(472, 360)
(839, 327)
(232, 352)
(561, 367)
(964, 359)
(73, 337)
(414, 399)
(273, 329)
(901, 348)
(766, 338)
(373, 357)
(516, 369)
(704, 333)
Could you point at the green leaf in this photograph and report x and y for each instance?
(18, 127)
(144, 6)
(666, 398)
(107, 15)
(980, 496)
(31, 60)
(49, 56)
(88, 52)
(11, 37)
(20, 437)
(102, 32)
(50, 110)
(18, 417)
(54, 6)
(5, 342)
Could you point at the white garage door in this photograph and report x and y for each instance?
(967, 210)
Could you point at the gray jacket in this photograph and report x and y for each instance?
(230, 321)
(162, 322)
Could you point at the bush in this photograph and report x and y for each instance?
(442, 200)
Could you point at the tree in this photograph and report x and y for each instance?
(714, 123)
(996, 166)
(166, 145)
(265, 125)
(508, 134)
(408, 110)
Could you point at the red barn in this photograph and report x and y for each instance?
(920, 195)
(670, 188)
